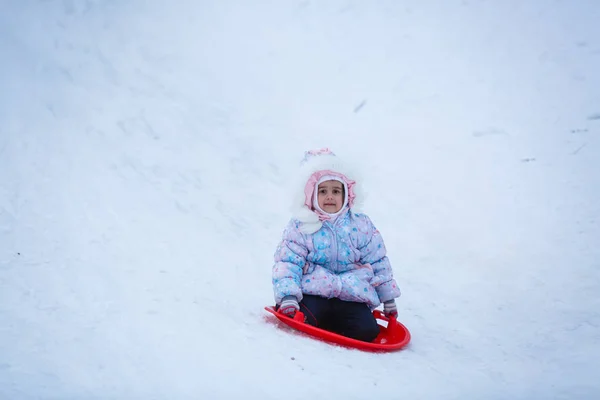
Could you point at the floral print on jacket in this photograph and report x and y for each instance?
(345, 259)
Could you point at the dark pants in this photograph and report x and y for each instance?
(354, 320)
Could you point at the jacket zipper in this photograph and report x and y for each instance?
(335, 260)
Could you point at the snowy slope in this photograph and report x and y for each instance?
(145, 151)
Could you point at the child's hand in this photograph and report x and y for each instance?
(289, 306)
(389, 309)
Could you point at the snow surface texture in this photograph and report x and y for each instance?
(145, 149)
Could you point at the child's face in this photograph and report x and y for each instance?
(331, 196)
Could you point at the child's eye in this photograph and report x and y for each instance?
(336, 191)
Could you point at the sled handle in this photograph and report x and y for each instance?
(379, 315)
(299, 316)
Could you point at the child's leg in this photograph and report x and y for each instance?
(355, 320)
(317, 311)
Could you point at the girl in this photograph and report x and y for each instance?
(331, 263)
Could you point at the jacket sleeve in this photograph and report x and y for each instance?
(290, 258)
(356, 286)
(374, 253)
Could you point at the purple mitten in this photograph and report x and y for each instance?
(289, 306)
(389, 309)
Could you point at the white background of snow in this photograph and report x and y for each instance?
(145, 148)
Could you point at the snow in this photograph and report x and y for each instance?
(145, 154)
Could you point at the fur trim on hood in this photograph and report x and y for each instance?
(315, 161)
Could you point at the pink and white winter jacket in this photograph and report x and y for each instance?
(344, 259)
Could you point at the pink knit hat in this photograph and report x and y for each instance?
(316, 165)
(326, 159)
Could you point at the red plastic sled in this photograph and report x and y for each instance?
(392, 337)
